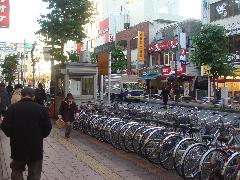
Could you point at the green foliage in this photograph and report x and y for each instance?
(65, 21)
(58, 55)
(9, 67)
(119, 60)
(211, 49)
(93, 58)
(73, 56)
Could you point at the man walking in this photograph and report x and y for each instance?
(40, 94)
(26, 123)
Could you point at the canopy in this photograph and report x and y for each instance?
(150, 76)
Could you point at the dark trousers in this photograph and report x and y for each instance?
(34, 170)
(68, 126)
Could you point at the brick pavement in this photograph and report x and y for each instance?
(83, 157)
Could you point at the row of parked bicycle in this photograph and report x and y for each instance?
(199, 150)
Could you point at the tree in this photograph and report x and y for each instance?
(211, 49)
(64, 22)
(9, 67)
(118, 58)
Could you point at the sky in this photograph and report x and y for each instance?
(24, 15)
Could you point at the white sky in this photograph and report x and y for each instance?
(24, 14)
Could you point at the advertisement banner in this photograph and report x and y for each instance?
(103, 31)
(4, 13)
(141, 46)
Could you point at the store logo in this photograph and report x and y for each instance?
(221, 9)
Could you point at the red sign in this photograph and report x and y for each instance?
(166, 70)
(162, 46)
(4, 13)
(104, 30)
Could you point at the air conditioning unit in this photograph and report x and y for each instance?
(126, 25)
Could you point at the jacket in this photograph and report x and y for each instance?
(16, 96)
(40, 96)
(4, 99)
(68, 111)
(26, 123)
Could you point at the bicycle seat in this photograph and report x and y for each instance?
(207, 137)
(223, 139)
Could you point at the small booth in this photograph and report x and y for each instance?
(80, 79)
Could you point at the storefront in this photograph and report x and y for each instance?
(170, 49)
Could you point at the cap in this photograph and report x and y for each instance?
(28, 92)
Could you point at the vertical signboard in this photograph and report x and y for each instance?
(183, 50)
(140, 46)
(4, 13)
(103, 63)
(204, 5)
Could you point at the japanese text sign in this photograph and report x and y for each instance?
(4, 13)
(140, 46)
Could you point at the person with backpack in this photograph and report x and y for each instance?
(40, 95)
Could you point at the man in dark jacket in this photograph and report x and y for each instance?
(26, 123)
(4, 99)
(40, 95)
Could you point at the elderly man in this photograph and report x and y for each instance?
(26, 123)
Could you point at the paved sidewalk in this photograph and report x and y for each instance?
(192, 104)
(83, 157)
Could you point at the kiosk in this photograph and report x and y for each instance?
(80, 79)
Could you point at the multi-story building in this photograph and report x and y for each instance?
(227, 14)
(114, 17)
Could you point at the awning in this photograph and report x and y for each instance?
(150, 76)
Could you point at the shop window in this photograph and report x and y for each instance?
(87, 85)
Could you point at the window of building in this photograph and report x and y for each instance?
(87, 86)
(236, 7)
(161, 59)
(166, 57)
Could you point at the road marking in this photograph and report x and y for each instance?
(84, 157)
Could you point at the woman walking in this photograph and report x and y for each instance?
(67, 112)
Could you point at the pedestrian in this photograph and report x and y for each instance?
(27, 124)
(165, 94)
(67, 112)
(4, 99)
(40, 94)
(9, 89)
(16, 96)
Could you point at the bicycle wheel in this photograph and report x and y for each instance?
(191, 159)
(150, 145)
(231, 169)
(128, 141)
(211, 164)
(138, 138)
(178, 153)
(114, 133)
(166, 151)
(122, 135)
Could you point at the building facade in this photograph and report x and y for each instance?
(227, 14)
